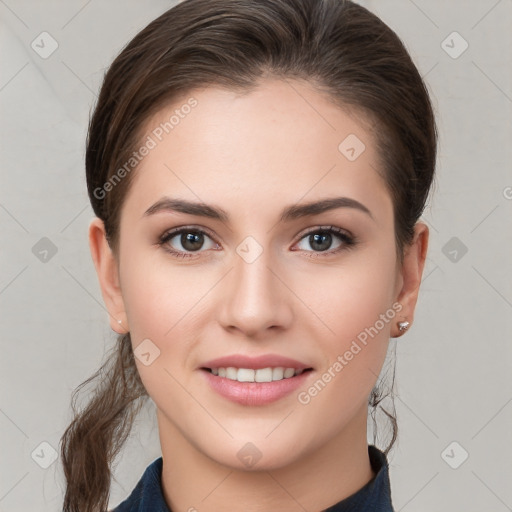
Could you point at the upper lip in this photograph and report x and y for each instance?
(255, 363)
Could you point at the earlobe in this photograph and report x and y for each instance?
(108, 276)
(412, 270)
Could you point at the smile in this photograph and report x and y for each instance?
(268, 374)
(252, 392)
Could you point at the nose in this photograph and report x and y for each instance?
(255, 298)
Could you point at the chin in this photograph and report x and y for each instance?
(254, 455)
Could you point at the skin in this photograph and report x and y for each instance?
(253, 155)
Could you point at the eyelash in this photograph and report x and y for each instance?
(349, 241)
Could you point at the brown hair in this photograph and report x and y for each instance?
(339, 47)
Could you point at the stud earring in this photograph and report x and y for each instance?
(120, 324)
(403, 326)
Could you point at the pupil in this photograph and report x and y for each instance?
(317, 238)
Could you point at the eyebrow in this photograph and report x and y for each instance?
(168, 204)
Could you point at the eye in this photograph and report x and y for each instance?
(321, 240)
(179, 242)
(183, 242)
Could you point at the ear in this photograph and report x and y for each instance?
(108, 276)
(411, 271)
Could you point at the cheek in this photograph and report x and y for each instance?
(158, 295)
(352, 298)
(165, 305)
(159, 301)
(355, 306)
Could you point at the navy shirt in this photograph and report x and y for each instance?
(375, 496)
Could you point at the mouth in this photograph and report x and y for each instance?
(268, 374)
(255, 386)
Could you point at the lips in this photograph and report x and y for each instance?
(245, 380)
(255, 363)
(254, 393)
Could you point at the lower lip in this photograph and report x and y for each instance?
(255, 393)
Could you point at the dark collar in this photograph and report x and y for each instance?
(375, 496)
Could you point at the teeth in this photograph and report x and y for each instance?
(277, 373)
(260, 375)
(289, 372)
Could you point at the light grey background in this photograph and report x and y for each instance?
(454, 365)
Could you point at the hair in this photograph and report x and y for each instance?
(339, 47)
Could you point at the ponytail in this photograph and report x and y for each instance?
(97, 433)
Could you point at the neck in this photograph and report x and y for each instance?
(192, 481)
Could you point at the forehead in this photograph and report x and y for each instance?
(280, 143)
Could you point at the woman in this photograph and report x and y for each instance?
(257, 170)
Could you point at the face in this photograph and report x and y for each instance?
(262, 276)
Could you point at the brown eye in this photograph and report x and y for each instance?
(322, 240)
(182, 241)
(191, 241)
